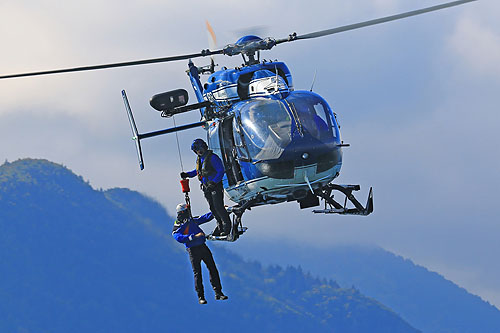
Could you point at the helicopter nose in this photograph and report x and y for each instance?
(296, 155)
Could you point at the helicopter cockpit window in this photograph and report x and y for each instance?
(266, 127)
(314, 114)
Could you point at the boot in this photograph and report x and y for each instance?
(202, 300)
(219, 296)
(216, 232)
(227, 230)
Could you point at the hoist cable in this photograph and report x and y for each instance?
(178, 147)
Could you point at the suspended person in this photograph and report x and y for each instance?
(186, 230)
(210, 170)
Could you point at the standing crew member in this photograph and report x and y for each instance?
(186, 230)
(210, 170)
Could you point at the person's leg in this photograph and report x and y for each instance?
(220, 225)
(195, 256)
(209, 261)
(217, 195)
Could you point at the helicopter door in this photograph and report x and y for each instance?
(228, 150)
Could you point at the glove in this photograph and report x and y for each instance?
(184, 175)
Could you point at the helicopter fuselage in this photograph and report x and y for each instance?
(275, 142)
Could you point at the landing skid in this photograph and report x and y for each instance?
(325, 193)
(333, 207)
(230, 238)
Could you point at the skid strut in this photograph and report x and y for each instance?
(334, 207)
(237, 228)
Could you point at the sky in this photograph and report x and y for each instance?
(416, 99)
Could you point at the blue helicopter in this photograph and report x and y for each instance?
(277, 144)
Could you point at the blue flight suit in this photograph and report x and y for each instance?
(184, 232)
(211, 184)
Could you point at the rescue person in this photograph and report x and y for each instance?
(210, 170)
(186, 230)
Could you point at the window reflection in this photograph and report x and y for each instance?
(266, 127)
(314, 115)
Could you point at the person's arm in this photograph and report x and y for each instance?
(179, 236)
(204, 218)
(219, 168)
(182, 238)
(191, 173)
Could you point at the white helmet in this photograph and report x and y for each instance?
(181, 207)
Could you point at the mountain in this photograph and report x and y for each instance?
(425, 299)
(75, 259)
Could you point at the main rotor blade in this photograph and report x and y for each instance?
(372, 22)
(203, 53)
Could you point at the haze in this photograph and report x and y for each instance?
(417, 99)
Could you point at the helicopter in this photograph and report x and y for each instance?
(277, 144)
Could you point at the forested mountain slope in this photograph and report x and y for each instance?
(74, 259)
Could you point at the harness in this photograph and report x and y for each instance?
(206, 168)
(178, 224)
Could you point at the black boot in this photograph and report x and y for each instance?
(202, 300)
(227, 230)
(216, 232)
(219, 296)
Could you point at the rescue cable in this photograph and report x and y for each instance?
(178, 147)
(184, 182)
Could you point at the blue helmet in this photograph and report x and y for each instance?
(197, 144)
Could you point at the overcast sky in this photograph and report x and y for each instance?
(417, 100)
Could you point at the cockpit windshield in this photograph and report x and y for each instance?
(267, 128)
(314, 115)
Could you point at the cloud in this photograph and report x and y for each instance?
(478, 46)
